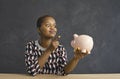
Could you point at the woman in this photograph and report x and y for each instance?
(46, 55)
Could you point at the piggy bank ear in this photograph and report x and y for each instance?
(75, 36)
(73, 43)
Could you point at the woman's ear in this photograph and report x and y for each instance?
(38, 29)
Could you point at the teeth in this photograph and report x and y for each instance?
(52, 31)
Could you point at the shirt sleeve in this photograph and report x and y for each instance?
(31, 60)
(63, 61)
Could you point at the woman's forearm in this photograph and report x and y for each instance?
(43, 58)
(71, 65)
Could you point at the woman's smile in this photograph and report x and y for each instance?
(52, 32)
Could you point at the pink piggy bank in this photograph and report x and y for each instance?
(84, 42)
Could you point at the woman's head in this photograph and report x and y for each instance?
(46, 26)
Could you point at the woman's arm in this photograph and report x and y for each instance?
(74, 61)
(43, 58)
(71, 65)
(31, 61)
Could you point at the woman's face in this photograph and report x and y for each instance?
(48, 27)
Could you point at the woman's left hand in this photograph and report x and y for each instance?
(79, 54)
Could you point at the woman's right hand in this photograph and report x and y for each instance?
(54, 44)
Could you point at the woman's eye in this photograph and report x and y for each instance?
(48, 25)
(54, 26)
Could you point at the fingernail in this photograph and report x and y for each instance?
(89, 52)
(83, 50)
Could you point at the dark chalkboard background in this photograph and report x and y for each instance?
(98, 18)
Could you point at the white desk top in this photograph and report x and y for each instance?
(69, 76)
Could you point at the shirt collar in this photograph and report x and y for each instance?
(39, 46)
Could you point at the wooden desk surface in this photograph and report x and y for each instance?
(69, 76)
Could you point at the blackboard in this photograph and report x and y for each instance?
(97, 18)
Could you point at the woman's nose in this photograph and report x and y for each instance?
(52, 27)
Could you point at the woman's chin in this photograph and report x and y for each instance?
(51, 36)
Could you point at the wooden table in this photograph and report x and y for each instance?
(69, 76)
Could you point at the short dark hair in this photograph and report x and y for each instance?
(41, 19)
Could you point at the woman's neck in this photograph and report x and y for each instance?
(45, 42)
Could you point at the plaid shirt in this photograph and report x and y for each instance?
(54, 65)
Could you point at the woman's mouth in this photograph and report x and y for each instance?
(52, 32)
